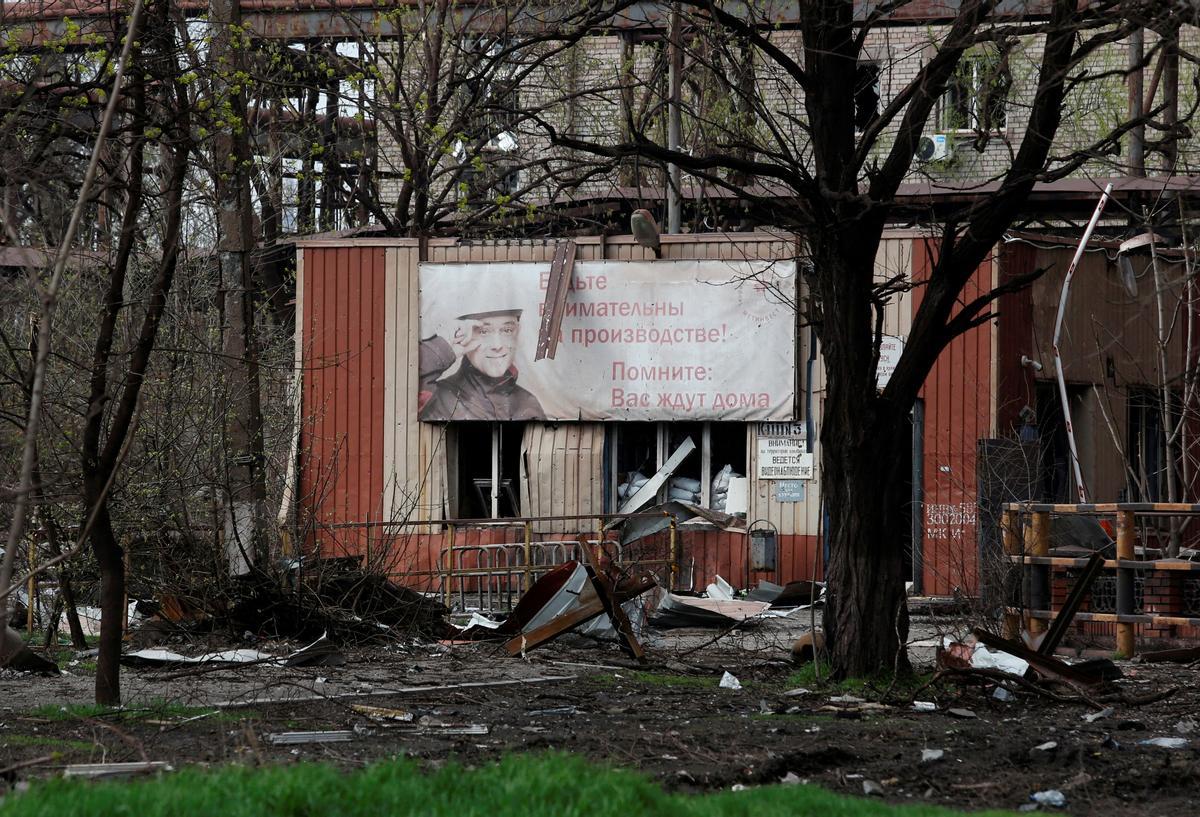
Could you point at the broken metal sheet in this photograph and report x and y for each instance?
(452, 729)
(793, 594)
(720, 589)
(321, 652)
(116, 769)
(159, 657)
(430, 725)
(654, 520)
(766, 591)
(566, 598)
(15, 655)
(602, 626)
(292, 738)
(650, 488)
(686, 611)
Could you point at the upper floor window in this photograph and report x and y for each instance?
(977, 95)
(866, 94)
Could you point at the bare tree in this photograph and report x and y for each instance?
(833, 176)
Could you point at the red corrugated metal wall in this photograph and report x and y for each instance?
(341, 437)
(1014, 338)
(958, 410)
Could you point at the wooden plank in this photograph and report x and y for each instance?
(561, 271)
(1071, 606)
(556, 627)
(650, 488)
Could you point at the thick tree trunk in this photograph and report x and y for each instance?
(109, 558)
(865, 492)
(865, 454)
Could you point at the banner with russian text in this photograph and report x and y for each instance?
(640, 340)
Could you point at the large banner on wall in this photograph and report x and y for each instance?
(644, 340)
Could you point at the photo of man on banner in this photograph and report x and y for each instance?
(484, 385)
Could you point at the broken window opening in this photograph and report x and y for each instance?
(639, 450)
(488, 461)
(866, 94)
(1149, 455)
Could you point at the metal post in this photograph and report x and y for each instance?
(528, 555)
(674, 543)
(447, 576)
(1040, 584)
(1126, 535)
(1058, 322)
(497, 440)
(674, 125)
(1012, 547)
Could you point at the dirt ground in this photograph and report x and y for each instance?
(668, 719)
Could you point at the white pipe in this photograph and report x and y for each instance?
(1058, 322)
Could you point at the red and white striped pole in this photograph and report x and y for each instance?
(1058, 322)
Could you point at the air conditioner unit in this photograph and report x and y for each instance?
(932, 148)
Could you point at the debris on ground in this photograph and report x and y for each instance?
(693, 611)
(1051, 797)
(94, 770)
(872, 789)
(321, 652)
(728, 681)
(806, 647)
(14, 655)
(382, 713)
(293, 738)
(1166, 743)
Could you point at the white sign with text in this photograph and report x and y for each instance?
(644, 340)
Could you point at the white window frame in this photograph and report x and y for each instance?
(494, 488)
(974, 99)
(663, 445)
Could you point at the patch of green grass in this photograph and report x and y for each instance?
(817, 677)
(518, 786)
(45, 740)
(686, 681)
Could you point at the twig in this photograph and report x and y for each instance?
(712, 640)
(49, 296)
(24, 764)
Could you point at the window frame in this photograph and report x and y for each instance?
(663, 451)
(973, 96)
(495, 472)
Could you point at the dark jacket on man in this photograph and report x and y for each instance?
(468, 394)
